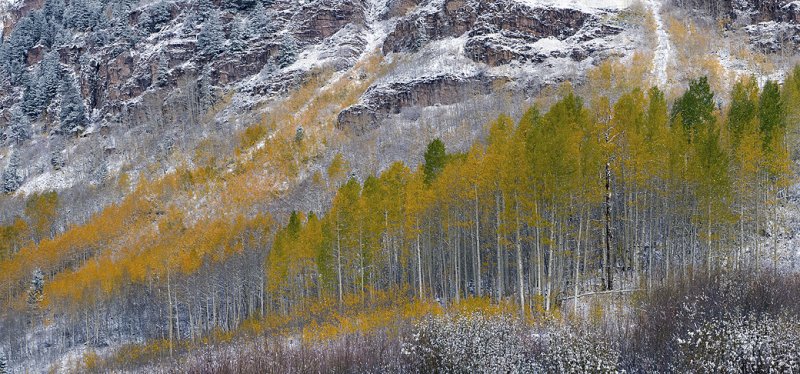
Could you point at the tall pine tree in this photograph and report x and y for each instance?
(211, 39)
(696, 106)
(287, 52)
(435, 159)
(162, 71)
(11, 178)
(50, 76)
(771, 112)
(20, 127)
(239, 37)
(73, 112)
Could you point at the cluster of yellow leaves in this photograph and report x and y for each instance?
(173, 248)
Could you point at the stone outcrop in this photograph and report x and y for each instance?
(383, 100)
(318, 20)
(486, 22)
(398, 8)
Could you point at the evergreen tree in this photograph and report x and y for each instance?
(423, 35)
(39, 25)
(50, 76)
(262, 22)
(160, 14)
(238, 37)
(23, 36)
(696, 106)
(211, 39)
(287, 52)
(294, 226)
(120, 28)
(33, 97)
(771, 112)
(145, 24)
(162, 71)
(435, 159)
(57, 147)
(4, 60)
(62, 36)
(82, 15)
(204, 10)
(155, 17)
(35, 292)
(11, 178)
(189, 23)
(20, 128)
(54, 10)
(742, 110)
(241, 4)
(205, 87)
(48, 34)
(72, 115)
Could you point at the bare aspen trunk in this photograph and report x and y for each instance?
(479, 284)
(577, 266)
(609, 283)
(169, 313)
(539, 258)
(419, 263)
(650, 245)
(520, 278)
(550, 270)
(177, 319)
(499, 280)
(775, 235)
(457, 264)
(339, 265)
(708, 242)
(758, 242)
(741, 236)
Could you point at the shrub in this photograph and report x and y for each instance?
(467, 344)
(742, 344)
(574, 351)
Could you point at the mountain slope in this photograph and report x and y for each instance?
(202, 126)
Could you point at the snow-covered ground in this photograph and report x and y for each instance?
(738, 68)
(664, 53)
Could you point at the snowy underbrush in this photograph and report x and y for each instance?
(375, 352)
(742, 344)
(728, 323)
(501, 344)
(467, 344)
(734, 323)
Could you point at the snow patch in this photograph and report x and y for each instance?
(584, 5)
(50, 181)
(444, 57)
(549, 45)
(664, 52)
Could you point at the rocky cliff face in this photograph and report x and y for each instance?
(443, 51)
(507, 19)
(495, 38)
(772, 25)
(381, 101)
